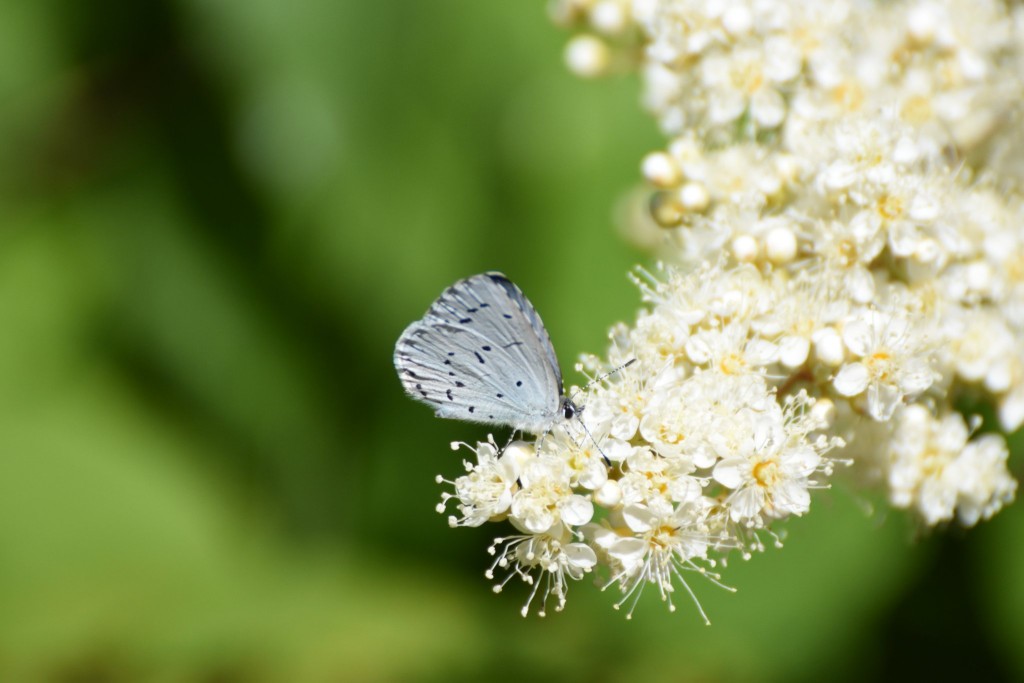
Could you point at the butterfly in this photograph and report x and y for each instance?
(481, 354)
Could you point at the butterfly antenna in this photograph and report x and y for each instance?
(604, 376)
(607, 460)
(579, 414)
(579, 444)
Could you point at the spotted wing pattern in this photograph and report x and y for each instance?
(481, 354)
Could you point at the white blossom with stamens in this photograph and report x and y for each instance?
(937, 473)
(769, 463)
(649, 476)
(546, 496)
(984, 483)
(891, 362)
(485, 492)
(547, 561)
(732, 350)
(657, 543)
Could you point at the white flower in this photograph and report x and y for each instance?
(584, 453)
(766, 475)
(656, 543)
(709, 295)
(748, 80)
(922, 450)
(709, 403)
(485, 493)
(681, 420)
(806, 309)
(587, 56)
(546, 497)
(616, 410)
(648, 476)
(732, 350)
(892, 362)
(984, 484)
(660, 338)
(935, 471)
(744, 174)
(980, 344)
(548, 560)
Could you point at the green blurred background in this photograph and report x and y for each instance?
(215, 220)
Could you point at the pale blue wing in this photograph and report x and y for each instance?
(533, 317)
(481, 354)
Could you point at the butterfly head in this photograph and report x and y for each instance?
(569, 409)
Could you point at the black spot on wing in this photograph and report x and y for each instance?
(479, 357)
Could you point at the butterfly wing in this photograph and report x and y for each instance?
(541, 333)
(481, 354)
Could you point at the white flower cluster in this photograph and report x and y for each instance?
(683, 455)
(763, 69)
(840, 204)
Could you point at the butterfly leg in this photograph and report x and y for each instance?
(511, 438)
(604, 457)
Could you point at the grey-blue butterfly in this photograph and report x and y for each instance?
(481, 354)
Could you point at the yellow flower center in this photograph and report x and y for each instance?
(766, 473)
(917, 110)
(846, 249)
(848, 95)
(890, 207)
(732, 364)
(879, 364)
(748, 77)
(933, 462)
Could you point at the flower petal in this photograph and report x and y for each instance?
(916, 376)
(800, 463)
(629, 551)
(883, 399)
(768, 108)
(638, 518)
(576, 510)
(793, 351)
(857, 336)
(731, 472)
(747, 503)
(791, 497)
(851, 379)
(580, 555)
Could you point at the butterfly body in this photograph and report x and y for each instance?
(481, 354)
